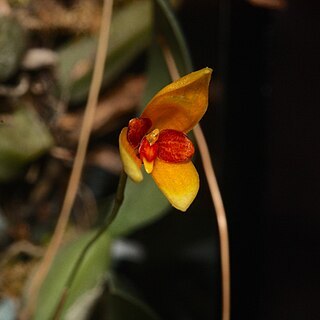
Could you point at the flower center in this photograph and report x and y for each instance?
(153, 136)
(168, 145)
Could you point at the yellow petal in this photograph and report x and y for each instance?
(148, 165)
(179, 182)
(181, 104)
(131, 163)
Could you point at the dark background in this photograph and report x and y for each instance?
(263, 130)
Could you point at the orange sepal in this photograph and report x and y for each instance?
(131, 163)
(179, 182)
(181, 104)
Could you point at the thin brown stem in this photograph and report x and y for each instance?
(215, 195)
(78, 163)
(221, 219)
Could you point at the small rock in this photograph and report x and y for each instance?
(38, 58)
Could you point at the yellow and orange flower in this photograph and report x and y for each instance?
(158, 138)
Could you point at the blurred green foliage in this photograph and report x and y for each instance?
(13, 43)
(129, 35)
(91, 274)
(23, 138)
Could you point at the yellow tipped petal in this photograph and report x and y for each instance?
(131, 163)
(148, 165)
(179, 182)
(181, 104)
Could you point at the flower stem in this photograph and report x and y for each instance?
(76, 172)
(221, 220)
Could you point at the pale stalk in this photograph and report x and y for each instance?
(76, 172)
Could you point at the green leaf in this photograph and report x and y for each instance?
(23, 138)
(124, 303)
(143, 204)
(89, 277)
(130, 33)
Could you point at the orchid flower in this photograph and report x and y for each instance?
(158, 140)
